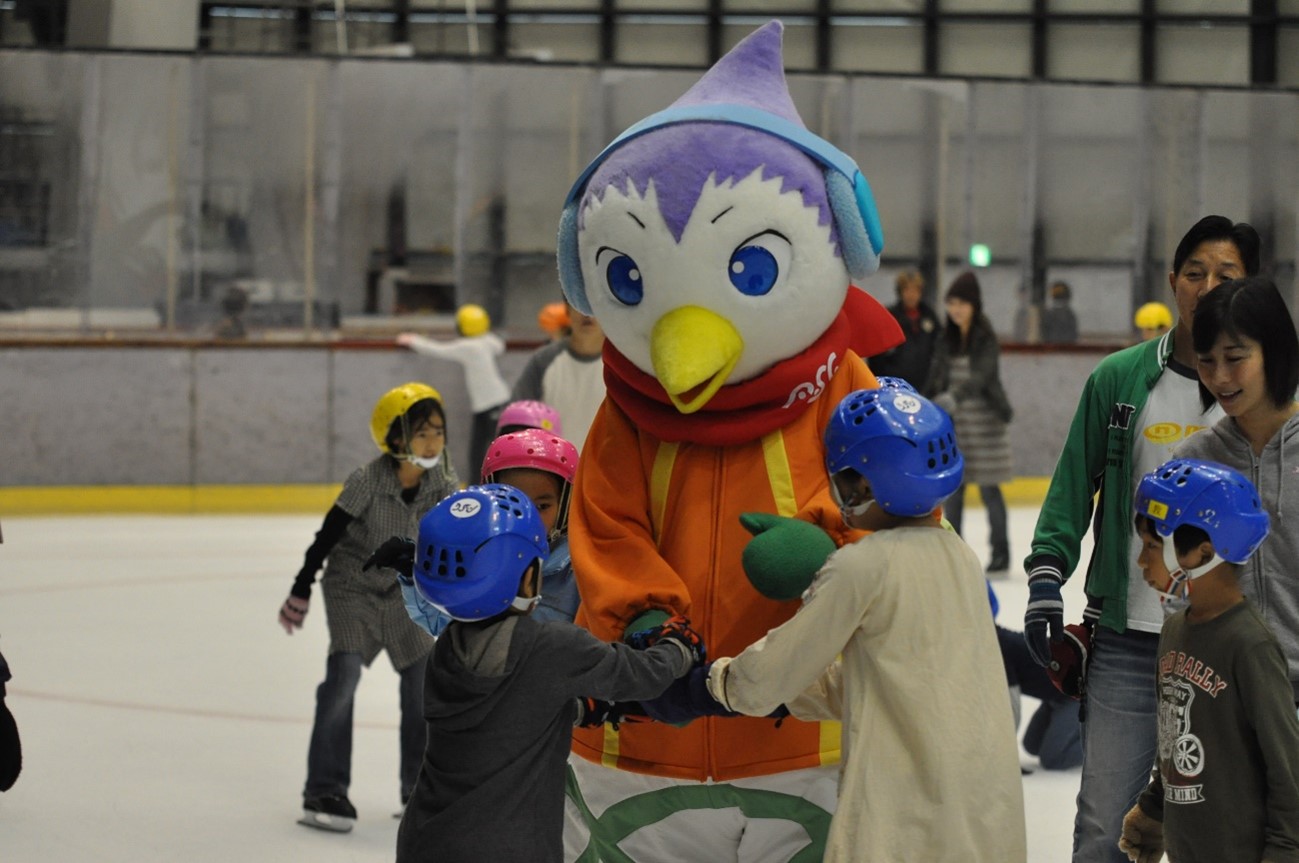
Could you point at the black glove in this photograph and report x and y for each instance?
(675, 629)
(1044, 616)
(397, 553)
(592, 712)
(11, 750)
(686, 699)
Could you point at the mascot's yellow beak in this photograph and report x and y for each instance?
(693, 350)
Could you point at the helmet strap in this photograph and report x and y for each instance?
(1183, 576)
(846, 511)
(525, 604)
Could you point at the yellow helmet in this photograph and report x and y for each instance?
(472, 320)
(394, 404)
(1152, 316)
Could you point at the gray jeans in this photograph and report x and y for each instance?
(329, 758)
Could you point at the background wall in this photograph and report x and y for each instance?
(266, 416)
(203, 415)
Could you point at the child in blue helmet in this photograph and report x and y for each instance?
(895, 641)
(1226, 779)
(502, 691)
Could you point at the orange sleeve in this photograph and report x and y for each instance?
(619, 570)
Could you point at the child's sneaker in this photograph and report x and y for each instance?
(333, 812)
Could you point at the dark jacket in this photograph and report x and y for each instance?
(499, 700)
(910, 360)
(985, 372)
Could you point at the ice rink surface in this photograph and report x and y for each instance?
(164, 713)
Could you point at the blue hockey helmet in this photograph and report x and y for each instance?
(889, 382)
(901, 442)
(474, 548)
(1207, 495)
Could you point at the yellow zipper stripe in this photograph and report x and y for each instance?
(660, 479)
(782, 481)
(609, 758)
(831, 740)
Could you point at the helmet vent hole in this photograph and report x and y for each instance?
(461, 572)
(932, 462)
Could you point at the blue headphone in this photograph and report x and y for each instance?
(861, 238)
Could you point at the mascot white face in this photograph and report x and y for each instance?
(754, 278)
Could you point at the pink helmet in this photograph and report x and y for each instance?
(532, 448)
(539, 450)
(530, 414)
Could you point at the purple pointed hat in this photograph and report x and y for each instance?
(752, 73)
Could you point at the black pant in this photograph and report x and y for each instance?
(954, 508)
(481, 435)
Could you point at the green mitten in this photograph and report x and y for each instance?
(784, 554)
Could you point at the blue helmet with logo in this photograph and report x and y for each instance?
(901, 442)
(1210, 496)
(474, 548)
(889, 382)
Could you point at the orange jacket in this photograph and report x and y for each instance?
(656, 525)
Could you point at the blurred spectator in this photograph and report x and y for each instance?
(568, 375)
(1059, 323)
(553, 320)
(965, 380)
(919, 322)
(476, 351)
(1153, 320)
(233, 305)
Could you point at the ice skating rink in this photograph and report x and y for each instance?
(165, 714)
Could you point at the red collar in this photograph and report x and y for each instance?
(750, 409)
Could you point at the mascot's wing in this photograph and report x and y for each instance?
(619, 570)
(874, 329)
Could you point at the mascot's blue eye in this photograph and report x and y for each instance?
(625, 281)
(753, 270)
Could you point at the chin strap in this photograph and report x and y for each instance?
(1180, 578)
(846, 511)
(525, 603)
(425, 463)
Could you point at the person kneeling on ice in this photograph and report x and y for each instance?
(502, 691)
(893, 640)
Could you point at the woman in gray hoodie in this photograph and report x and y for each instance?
(1248, 360)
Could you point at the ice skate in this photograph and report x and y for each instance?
(334, 812)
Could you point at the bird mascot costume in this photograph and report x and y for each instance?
(716, 241)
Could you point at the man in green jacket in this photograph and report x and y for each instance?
(1136, 406)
